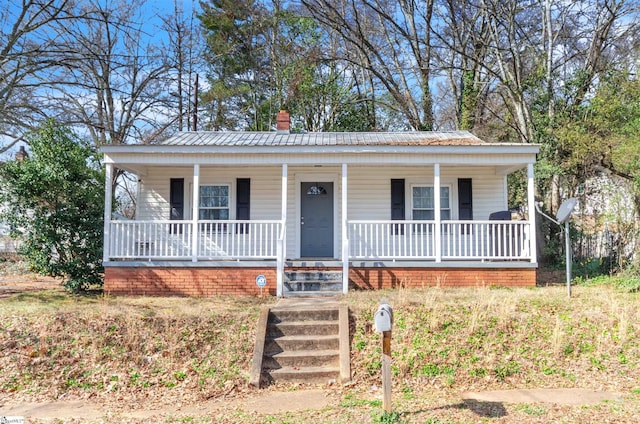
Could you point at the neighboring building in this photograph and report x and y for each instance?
(218, 209)
(7, 243)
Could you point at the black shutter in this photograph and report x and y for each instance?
(243, 202)
(397, 204)
(465, 201)
(176, 203)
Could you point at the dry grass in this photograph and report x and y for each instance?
(143, 352)
(56, 345)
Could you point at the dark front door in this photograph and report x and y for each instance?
(316, 220)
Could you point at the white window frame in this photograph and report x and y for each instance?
(229, 201)
(450, 208)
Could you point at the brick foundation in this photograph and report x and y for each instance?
(187, 281)
(379, 278)
(205, 282)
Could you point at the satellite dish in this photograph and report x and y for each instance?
(566, 209)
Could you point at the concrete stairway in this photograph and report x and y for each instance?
(302, 340)
(319, 282)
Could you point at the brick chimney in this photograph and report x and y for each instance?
(283, 122)
(21, 154)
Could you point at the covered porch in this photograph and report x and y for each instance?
(366, 232)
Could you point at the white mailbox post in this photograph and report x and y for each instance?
(383, 323)
(383, 319)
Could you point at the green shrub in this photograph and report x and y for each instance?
(54, 204)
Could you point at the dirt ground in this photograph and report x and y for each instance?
(27, 282)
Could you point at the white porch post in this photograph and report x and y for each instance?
(108, 194)
(436, 211)
(532, 214)
(282, 243)
(345, 235)
(195, 212)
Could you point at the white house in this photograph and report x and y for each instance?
(318, 211)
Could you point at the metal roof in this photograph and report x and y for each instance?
(274, 139)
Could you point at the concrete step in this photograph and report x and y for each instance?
(317, 375)
(318, 293)
(313, 275)
(302, 340)
(285, 343)
(300, 359)
(299, 328)
(300, 280)
(311, 314)
(315, 286)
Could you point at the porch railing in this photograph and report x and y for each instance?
(460, 240)
(391, 239)
(238, 239)
(150, 239)
(158, 240)
(234, 239)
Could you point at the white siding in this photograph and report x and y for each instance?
(153, 200)
(153, 191)
(369, 191)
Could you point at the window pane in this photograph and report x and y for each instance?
(444, 197)
(422, 215)
(205, 196)
(213, 214)
(221, 196)
(423, 203)
(423, 197)
(221, 201)
(214, 202)
(316, 191)
(214, 196)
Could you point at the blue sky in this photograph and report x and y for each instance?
(150, 19)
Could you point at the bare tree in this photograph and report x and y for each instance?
(113, 81)
(461, 52)
(28, 53)
(184, 61)
(597, 35)
(528, 53)
(391, 41)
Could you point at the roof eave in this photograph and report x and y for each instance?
(487, 148)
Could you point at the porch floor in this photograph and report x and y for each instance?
(325, 263)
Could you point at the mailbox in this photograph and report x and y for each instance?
(383, 318)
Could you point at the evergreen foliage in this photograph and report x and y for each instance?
(54, 204)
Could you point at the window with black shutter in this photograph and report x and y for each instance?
(176, 203)
(465, 203)
(397, 204)
(243, 203)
